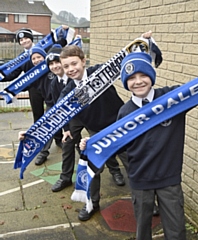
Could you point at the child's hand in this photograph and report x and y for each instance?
(64, 26)
(66, 135)
(83, 143)
(147, 34)
(21, 135)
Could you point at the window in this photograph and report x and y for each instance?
(20, 18)
(3, 17)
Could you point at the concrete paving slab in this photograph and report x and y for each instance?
(31, 219)
(60, 233)
(11, 203)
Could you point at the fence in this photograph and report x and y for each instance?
(8, 51)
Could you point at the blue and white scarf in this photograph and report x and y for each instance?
(108, 141)
(44, 43)
(29, 77)
(24, 81)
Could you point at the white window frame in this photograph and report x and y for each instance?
(20, 18)
(5, 17)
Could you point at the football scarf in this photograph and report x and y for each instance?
(46, 42)
(77, 41)
(62, 112)
(24, 81)
(108, 141)
(29, 77)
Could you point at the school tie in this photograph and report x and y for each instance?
(62, 83)
(144, 101)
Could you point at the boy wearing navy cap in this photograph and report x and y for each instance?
(43, 85)
(155, 163)
(24, 33)
(25, 38)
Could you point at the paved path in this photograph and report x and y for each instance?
(30, 210)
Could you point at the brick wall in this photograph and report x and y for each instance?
(174, 24)
(40, 24)
(84, 32)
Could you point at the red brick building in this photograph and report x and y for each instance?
(34, 14)
(83, 29)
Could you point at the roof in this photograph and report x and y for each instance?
(38, 7)
(5, 31)
(35, 33)
(85, 24)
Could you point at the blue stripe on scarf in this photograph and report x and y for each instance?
(108, 141)
(24, 81)
(78, 42)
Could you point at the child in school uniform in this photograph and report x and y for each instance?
(43, 85)
(25, 38)
(68, 145)
(155, 161)
(102, 112)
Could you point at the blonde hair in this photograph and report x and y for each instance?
(72, 51)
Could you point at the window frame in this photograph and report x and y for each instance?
(5, 16)
(17, 18)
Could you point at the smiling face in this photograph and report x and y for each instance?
(139, 84)
(73, 67)
(26, 42)
(56, 68)
(36, 58)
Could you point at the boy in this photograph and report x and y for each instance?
(43, 85)
(95, 117)
(155, 164)
(68, 146)
(25, 38)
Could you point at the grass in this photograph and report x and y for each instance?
(191, 228)
(17, 109)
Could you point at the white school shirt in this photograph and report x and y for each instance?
(64, 78)
(138, 100)
(79, 82)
